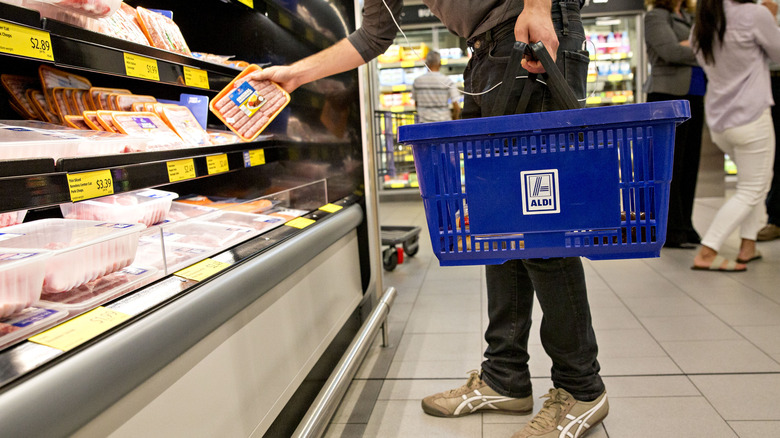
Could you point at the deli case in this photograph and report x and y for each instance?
(227, 276)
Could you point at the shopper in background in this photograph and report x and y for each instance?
(432, 92)
(771, 230)
(578, 402)
(675, 74)
(734, 41)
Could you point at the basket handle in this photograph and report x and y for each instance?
(553, 77)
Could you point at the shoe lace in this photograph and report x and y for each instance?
(548, 417)
(472, 383)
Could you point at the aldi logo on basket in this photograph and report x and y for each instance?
(540, 191)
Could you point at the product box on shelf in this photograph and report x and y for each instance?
(81, 250)
(147, 207)
(21, 278)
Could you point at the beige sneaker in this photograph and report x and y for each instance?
(474, 396)
(769, 232)
(562, 416)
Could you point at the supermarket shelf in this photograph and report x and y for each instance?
(610, 78)
(610, 56)
(460, 62)
(609, 100)
(25, 357)
(19, 15)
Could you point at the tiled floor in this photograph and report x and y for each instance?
(683, 353)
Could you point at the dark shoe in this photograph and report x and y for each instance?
(693, 237)
(678, 245)
(769, 232)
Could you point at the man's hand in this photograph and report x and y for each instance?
(284, 75)
(535, 24)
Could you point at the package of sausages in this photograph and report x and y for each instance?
(77, 122)
(38, 101)
(17, 87)
(106, 120)
(98, 97)
(91, 119)
(248, 106)
(183, 122)
(124, 102)
(52, 78)
(162, 31)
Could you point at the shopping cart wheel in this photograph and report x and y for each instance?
(390, 258)
(411, 246)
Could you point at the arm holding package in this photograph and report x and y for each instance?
(374, 36)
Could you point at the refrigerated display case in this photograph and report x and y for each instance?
(233, 340)
(615, 39)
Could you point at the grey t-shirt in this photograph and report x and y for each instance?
(432, 93)
(465, 18)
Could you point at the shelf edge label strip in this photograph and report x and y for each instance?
(300, 223)
(202, 270)
(179, 170)
(141, 67)
(80, 329)
(25, 41)
(88, 185)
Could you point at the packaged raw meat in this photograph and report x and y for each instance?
(218, 137)
(171, 258)
(77, 122)
(162, 32)
(89, 8)
(258, 222)
(203, 234)
(181, 120)
(38, 101)
(12, 218)
(61, 105)
(99, 97)
(25, 323)
(91, 119)
(52, 78)
(17, 87)
(123, 24)
(109, 143)
(180, 211)
(248, 106)
(147, 125)
(81, 251)
(77, 101)
(100, 290)
(21, 278)
(19, 142)
(287, 214)
(148, 207)
(124, 102)
(106, 120)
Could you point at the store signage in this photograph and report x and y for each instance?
(88, 185)
(255, 157)
(300, 223)
(24, 41)
(217, 164)
(194, 77)
(330, 208)
(415, 14)
(202, 270)
(75, 332)
(592, 7)
(180, 170)
(141, 67)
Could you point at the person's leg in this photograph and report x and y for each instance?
(690, 172)
(752, 148)
(772, 229)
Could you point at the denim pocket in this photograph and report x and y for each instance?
(575, 70)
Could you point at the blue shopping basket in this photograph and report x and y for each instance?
(590, 182)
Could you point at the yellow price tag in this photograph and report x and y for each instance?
(619, 99)
(194, 77)
(285, 21)
(24, 41)
(217, 163)
(141, 67)
(202, 270)
(331, 208)
(397, 185)
(593, 100)
(309, 35)
(181, 169)
(249, 3)
(399, 88)
(87, 185)
(75, 332)
(299, 222)
(414, 184)
(615, 78)
(407, 64)
(255, 157)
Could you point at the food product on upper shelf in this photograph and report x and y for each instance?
(77, 122)
(106, 120)
(287, 214)
(38, 100)
(99, 97)
(91, 119)
(61, 106)
(123, 24)
(77, 100)
(52, 78)
(175, 256)
(17, 87)
(180, 119)
(81, 251)
(90, 8)
(124, 102)
(147, 125)
(162, 32)
(248, 106)
(147, 207)
(21, 278)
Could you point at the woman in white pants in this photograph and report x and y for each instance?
(733, 41)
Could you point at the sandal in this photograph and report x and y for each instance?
(756, 256)
(717, 265)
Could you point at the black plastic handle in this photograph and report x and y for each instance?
(553, 77)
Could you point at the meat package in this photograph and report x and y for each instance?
(17, 87)
(12, 218)
(258, 222)
(203, 234)
(27, 322)
(247, 107)
(88, 8)
(100, 290)
(173, 257)
(52, 78)
(183, 122)
(147, 125)
(162, 32)
(81, 251)
(21, 278)
(146, 207)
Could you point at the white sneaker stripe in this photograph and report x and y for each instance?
(487, 400)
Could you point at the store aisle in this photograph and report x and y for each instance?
(683, 353)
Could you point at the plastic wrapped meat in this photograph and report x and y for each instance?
(162, 32)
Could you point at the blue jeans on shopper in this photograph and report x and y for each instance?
(566, 331)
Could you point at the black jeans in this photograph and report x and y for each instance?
(685, 171)
(566, 330)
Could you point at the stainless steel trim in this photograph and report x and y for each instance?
(324, 406)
